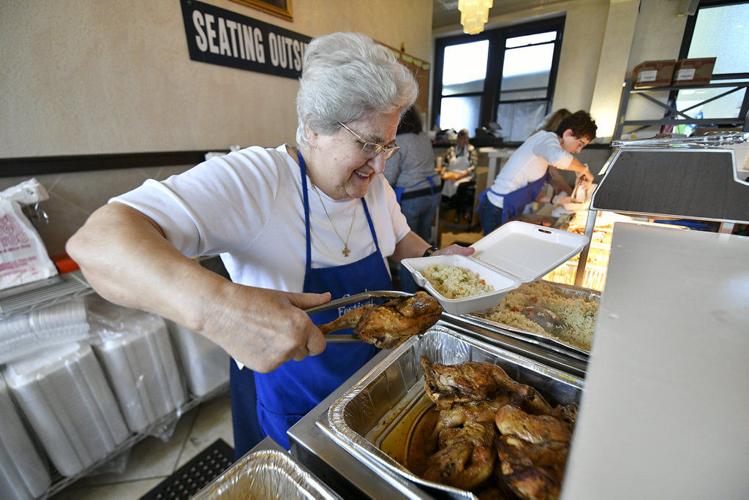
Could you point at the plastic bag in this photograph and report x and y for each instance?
(23, 257)
(23, 334)
(135, 350)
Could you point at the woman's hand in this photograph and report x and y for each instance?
(455, 175)
(455, 250)
(264, 328)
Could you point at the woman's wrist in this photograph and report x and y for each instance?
(429, 251)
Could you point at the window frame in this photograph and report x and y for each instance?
(686, 41)
(490, 96)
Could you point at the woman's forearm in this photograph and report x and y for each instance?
(127, 260)
(410, 246)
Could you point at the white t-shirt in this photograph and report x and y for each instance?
(247, 206)
(457, 162)
(529, 163)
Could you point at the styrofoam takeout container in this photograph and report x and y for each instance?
(509, 256)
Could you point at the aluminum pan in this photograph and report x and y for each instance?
(566, 290)
(369, 403)
(267, 474)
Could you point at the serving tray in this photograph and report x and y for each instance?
(359, 418)
(555, 343)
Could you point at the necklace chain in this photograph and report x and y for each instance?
(345, 250)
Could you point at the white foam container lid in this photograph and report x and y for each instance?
(509, 256)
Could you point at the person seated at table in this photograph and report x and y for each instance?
(458, 183)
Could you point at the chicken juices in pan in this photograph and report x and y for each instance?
(496, 437)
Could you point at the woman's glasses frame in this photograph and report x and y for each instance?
(373, 149)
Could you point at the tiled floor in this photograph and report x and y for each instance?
(152, 459)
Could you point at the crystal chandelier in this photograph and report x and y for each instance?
(474, 14)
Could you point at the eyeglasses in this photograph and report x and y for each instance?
(372, 149)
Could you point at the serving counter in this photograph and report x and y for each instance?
(668, 365)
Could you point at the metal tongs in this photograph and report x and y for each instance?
(337, 338)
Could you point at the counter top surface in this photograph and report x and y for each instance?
(664, 414)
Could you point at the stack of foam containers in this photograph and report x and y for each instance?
(205, 364)
(66, 398)
(142, 369)
(22, 334)
(23, 475)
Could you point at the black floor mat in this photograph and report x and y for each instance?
(195, 474)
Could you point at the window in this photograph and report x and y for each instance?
(505, 75)
(719, 29)
(463, 84)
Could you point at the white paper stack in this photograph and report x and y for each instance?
(65, 397)
(22, 334)
(22, 473)
(205, 364)
(141, 366)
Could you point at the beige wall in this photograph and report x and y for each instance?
(612, 63)
(106, 76)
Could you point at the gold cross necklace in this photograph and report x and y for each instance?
(345, 250)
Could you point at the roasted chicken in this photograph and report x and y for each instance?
(466, 382)
(515, 454)
(532, 452)
(532, 428)
(533, 442)
(532, 471)
(476, 411)
(391, 323)
(465, 458)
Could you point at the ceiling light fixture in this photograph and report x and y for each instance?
(474, 14)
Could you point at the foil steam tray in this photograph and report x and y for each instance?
(554, 343)
(373, 405)
(267, 473)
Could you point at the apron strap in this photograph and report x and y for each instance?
(371, 225)
(305, 197)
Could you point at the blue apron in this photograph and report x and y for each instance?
(514, 202)
(289, 392)
(399, 191)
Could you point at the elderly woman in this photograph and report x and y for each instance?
(294, 225)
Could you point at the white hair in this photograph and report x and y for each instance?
(347, 76)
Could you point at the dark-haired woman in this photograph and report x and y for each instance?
(524, 174)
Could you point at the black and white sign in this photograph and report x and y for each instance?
(225, 38)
